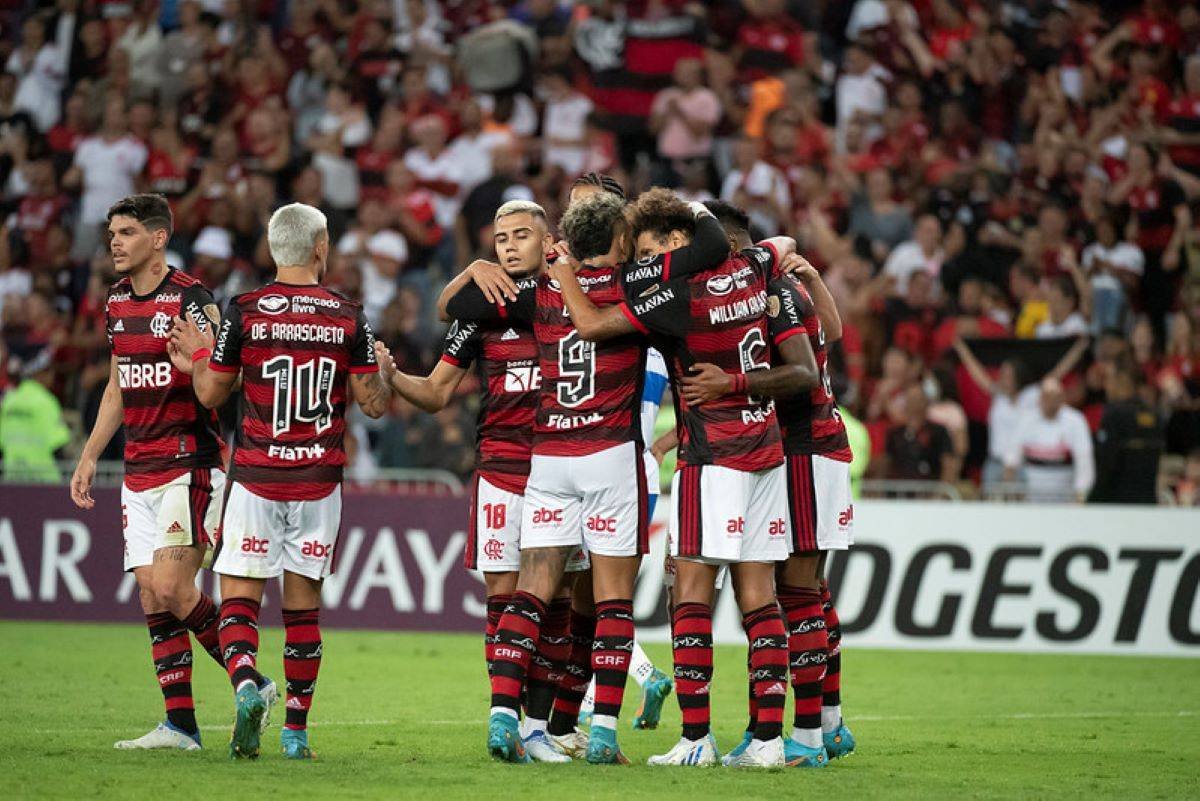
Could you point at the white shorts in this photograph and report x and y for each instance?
(597, 501)
(184, 511)
(820, 504)
(669, 571)
(494, 540)
(720, 515)
(261, 538)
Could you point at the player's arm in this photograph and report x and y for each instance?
(797, 374)
(429, 393)
(368, 373)
(707, 250)
(494, 284)
(108, 420)
(827, 312)
(594, 323)
(215, 367)
(974, 367)
(664, 445)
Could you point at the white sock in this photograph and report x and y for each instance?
(831, 718)
(808, 737)
(530, 725)
(604, 722)
(512, 713)
(589, 698)
(640, 666)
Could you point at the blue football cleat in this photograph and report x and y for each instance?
(603, 749)
(839, 743)
(504, 739)
(656, 690)
(295, 744)
(728, 759)
(796, 755)
(248, 723)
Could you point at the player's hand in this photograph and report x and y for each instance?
(698, 208)
(180, 362)
(187, 337)
(387, 365)
(497, 285)
(565, 257)
(707, 382)
(799, 268)
(81, 483)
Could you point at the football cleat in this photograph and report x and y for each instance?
(760, 754)
(655, 691)
(504, 739)
(839, 743)
(247, 724)
(270, 695)
(798, 755)
(164, 735)
(699, 753)
(574, 744)
(584, 718)
(737, 752)
(603, 749)
(540, 749)
(295, 744)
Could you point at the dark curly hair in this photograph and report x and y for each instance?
(660, 211)
(591, 224)
(732, 219)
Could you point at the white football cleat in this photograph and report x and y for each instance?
(270, 695)
(164, 735)
(541, 749)
(573, 744)
(698, 753)
(761, 754)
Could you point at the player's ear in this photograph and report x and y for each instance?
(160, 237)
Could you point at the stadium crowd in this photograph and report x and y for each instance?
(999, 194)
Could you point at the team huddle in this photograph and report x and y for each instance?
(575, 341)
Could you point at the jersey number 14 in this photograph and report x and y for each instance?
(303, 392)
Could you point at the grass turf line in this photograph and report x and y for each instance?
(405, 717)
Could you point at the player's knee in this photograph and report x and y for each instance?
(172, 592)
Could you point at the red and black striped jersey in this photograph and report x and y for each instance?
(296, 346)
(591, 391)
(167, 431)
(810, 422)
(718, 316)
(507, 357)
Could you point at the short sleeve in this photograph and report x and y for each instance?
(764, 257)
(661, 309)
(462, 344)
(196, 298)
(788, 306)
(470, 304)
(362, 349)
(227, 353)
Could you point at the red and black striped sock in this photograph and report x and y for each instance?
(831, 686)
(172, 653)
(239, 640)
(546, 667)
(301, 663)
(752, 701)
(496, 604)
(768, 660)
(204, 622)
(807, 642)
(577, 675)
(610, 659)
(516, 638)
(692, 647)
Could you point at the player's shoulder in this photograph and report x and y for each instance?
(345, 300)
(122, 286)
(185, 280)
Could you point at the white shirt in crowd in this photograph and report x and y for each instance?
(377, 289)
(760, 181)
(39, 85)
(566, 120)
(443, 168)
(1056, 454)
(1074, 325)
(908, 258)
(109, 170)
(1004, 417)
(1123, 256)
(473, 153)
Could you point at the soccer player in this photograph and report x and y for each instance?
(820, 505)
(507, 355)
(586, 483)
(297, 346)
(729, 494)
(173, 478)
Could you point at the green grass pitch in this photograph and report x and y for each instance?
(403, 716)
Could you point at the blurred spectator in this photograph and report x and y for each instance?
(684, 117)
(379, 252)
(31, 421)
(1062, 301)
(876, 218)
(41, 68)
(1054, 447)
(564, 124)
(918, 448)
(923, 253)
(1187, 491)
(757, 187)
(1114, 268)
(1128, 445)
